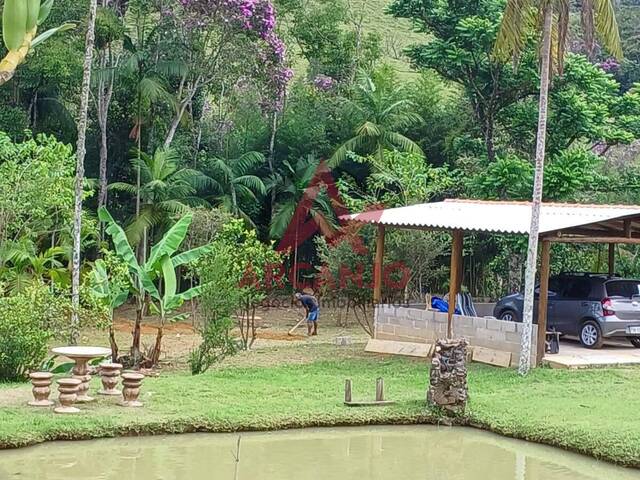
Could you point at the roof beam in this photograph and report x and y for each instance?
(565, 239)
(590, 232)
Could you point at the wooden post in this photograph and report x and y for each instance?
(377, 266)
(460, 273)
(612, 258)
(454, 277)
(379, 390)
(347, 391)
(543, 300)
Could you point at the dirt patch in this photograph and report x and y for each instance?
(124, 325)
(181, 338)
(10, 397)
(273, 335)
(273, 324)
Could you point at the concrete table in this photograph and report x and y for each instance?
(81, 356)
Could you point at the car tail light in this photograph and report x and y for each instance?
(607, 307)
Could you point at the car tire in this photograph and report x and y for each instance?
(590, 335)
(509, 316)
(635, 341)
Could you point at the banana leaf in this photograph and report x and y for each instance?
(49, 33)
(45, 10)
(177, 300)
(169, 243)
(122, 247)
(48, 363)
(169, 277)
(190, 255)
(63, 368)
(179, 318)
(119, 299)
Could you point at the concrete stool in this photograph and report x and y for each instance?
(41, 382)
(109, 374)
(131, 383)
(68, 388)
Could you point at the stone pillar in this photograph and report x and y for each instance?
(448, 377)
(81, 372)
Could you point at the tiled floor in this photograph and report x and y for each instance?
(574, 355)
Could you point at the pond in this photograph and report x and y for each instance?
(373, 453)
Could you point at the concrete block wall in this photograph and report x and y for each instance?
(425, 326)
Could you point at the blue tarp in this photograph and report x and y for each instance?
(440, 305)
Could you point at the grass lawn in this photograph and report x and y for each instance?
(590, 411)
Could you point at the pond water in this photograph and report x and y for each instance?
(376, 453)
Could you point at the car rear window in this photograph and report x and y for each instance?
(623, 288)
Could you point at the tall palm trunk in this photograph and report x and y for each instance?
(140, 248)
(80, 154)
(105, 92)
(138, 156)
(270, 158)
(532, 250)
(175, 123)
(295, 257)
(234, 199)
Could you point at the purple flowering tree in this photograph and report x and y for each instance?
(222, 42)
(610, 65)
(323, 82)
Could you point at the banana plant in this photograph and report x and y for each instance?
(112, 291)
(160, 268)
(20, 21)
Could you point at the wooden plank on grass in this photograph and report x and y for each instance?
(393, 347)
(369, 403)
(491, 357)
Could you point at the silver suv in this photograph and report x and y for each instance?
(591, 306)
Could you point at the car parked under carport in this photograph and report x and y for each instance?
(591, 306)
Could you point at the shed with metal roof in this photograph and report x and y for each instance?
(559, 222)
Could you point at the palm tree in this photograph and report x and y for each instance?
(79, 183)
(296, 200)
(235, 183)
(383, 112)
(290, 188)
(22, 264)
(520, 18)
(166, 190)
(108, 61)
(147, 71)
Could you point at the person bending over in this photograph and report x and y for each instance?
(310, 304)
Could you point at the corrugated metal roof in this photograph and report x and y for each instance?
(493, 216)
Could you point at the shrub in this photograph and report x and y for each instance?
(13, 121)
(236, 274)
(253, 268)
(36, 187)
(219, 300)
(216, 344)
(27, 321)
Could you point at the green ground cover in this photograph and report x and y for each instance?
(589, 411)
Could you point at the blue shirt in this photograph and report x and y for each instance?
(310, 302)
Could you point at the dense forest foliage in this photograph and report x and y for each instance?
(196, 111)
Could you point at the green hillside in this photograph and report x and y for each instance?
(397, 33)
